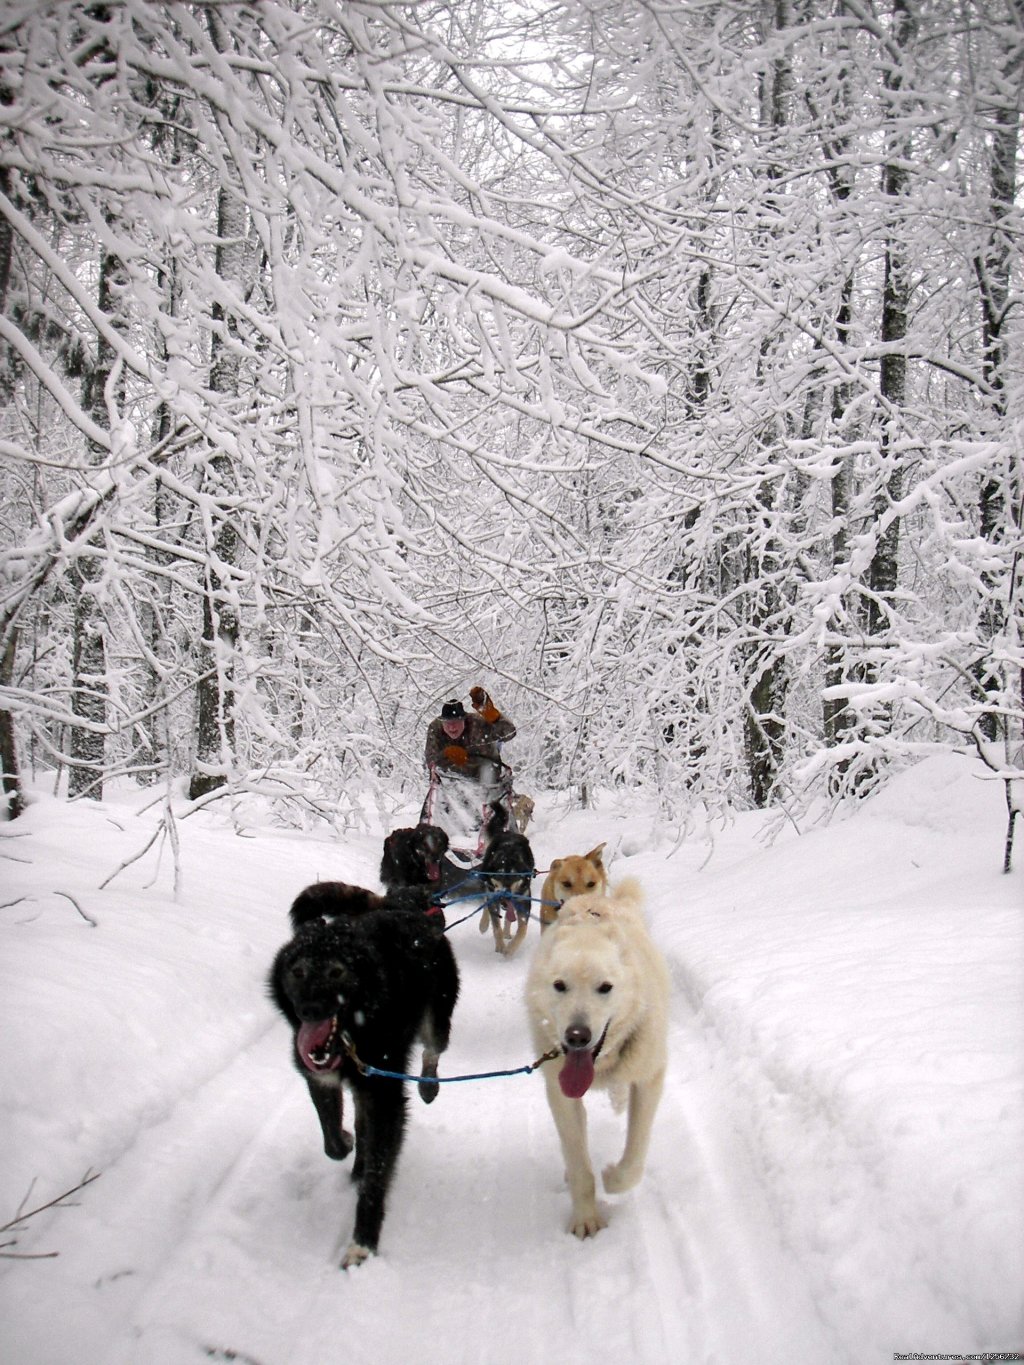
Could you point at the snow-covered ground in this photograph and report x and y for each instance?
(837, 1169)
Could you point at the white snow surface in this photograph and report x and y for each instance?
(837, 1167)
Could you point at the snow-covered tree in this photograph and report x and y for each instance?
(659, 369)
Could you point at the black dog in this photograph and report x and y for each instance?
(359, 985)
(415, 857)
(328, 900)
(506, 871)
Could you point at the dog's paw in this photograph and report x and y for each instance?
(355, 1255)
(339, 1145)
(588, 1223)
(618, 1179)
(428, 1086)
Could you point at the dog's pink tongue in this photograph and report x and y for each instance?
(313, 1037)
(577, 1074)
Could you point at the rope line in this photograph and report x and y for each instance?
(472, 915)
(366, 1069)
(483, 899)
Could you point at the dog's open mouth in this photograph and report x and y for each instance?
(577, 1073)
(315, 1045)
(433, 871)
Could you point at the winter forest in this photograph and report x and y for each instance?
(656, 364)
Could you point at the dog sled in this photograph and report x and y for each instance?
(471, 806)
(487, 860)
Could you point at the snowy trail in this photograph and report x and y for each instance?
(243, 1214)
(124, 1244)
(834, 1172)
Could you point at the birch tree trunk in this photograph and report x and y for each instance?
(215, 717)
(86, 743)
(215, 700)
(837, 718)
(1002, 490)
(768, 686)
(10, 775)
(882, 578)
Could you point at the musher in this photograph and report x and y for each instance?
(460, 743)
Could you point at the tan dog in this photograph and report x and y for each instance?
(522, 811)
(572, 876)
(597, 994)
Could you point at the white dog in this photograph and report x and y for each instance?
(598, 990)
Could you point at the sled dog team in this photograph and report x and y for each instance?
(366, 976)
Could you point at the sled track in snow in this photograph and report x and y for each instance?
(474, 1250)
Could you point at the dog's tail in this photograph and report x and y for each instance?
(328, 900)
(623, 904)
(628, 893)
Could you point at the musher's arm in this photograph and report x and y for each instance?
(436, 741)
(496, 728)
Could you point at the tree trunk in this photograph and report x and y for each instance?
(215, 721)
(11, 777)
(13, 795)
(838, 719)
(87, 745)
(768, 679)
(1000, 497)
(882, 578)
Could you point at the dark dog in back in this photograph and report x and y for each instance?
(506, 872)
(364, 981)
(328, 900)
(415, 857)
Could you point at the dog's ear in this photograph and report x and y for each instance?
(556, 863)
(594, 856)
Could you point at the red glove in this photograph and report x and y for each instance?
(483, 705)
(456, 754)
